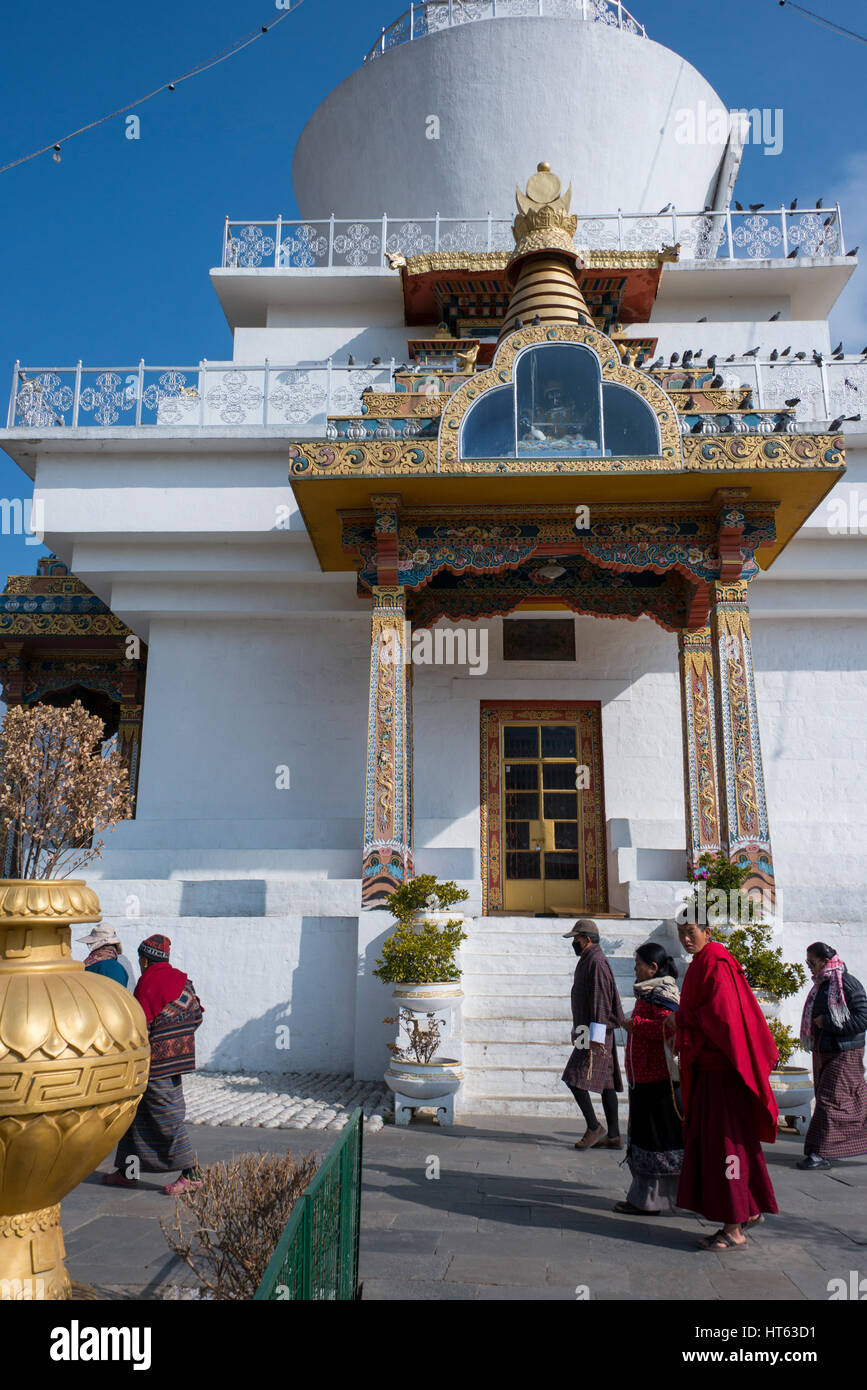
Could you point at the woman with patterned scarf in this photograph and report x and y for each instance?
(655, 1149)
(832, 1028)
(105, 954)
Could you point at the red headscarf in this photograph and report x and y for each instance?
(718, 1008)
(159, 985)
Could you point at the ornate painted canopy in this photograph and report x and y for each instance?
(479, 467)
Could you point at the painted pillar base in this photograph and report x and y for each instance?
(31, 1257)
(404, 1106)
(801, 1114)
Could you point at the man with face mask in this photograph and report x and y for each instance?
(596, 1012)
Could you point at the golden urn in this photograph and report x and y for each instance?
(74, 1059)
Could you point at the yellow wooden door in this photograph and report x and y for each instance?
(541, 779)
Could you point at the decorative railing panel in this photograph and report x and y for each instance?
(317, 1255)
(300, 397)
(435, 15)
(358, 242)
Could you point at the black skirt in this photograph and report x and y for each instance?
(655, 1147)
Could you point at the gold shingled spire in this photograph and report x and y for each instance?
(542, 268)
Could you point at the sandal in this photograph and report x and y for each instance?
(627, 1209)
(721, 1240)
(753, 1221)
(591, 1138)
(117, 1179)
(180, 1186)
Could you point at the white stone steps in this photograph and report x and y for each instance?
(513, 984)
(610, 927)
(515, 1019)
(526, 1052)
(515, 942)
(521, 1077)
(533, 947)
(517, 985)
(562, 1108)
(520, 963)
(516, 1007)
(517, 1030)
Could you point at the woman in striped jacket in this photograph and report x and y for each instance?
(655, 1147)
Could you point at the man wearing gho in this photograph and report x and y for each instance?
(596, 1012)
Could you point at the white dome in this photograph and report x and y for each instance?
(598, 103)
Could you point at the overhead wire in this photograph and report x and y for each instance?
(204, 66)
(825, 23)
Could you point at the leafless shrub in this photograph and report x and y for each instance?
(227, 1229)
(58, 788)
(423, 1042)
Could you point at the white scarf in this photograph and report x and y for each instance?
(663, 985)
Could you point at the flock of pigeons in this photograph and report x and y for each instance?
(690, 358)
(758, 207)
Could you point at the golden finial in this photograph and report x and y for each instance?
(544, 220)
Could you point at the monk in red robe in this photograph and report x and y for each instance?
(727, 1054)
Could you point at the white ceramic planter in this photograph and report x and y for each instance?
(770, 1004)
(421, 1081)
(792, 1087)
(439, 919)
(438, 998)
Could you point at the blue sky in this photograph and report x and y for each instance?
(105, 256)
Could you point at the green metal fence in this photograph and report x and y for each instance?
(317, 1254)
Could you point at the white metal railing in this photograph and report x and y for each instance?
(300, 397)
(431, 17)
(348, 242)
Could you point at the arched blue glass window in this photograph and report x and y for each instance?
(559, 402)
(559, 407)
(631, 428)
(489, 429)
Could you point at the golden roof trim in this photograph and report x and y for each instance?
(317, 459)
(479, 261)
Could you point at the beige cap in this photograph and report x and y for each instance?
(585, 926)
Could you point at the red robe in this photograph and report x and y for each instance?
(726, 1056)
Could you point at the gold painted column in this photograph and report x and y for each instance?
(743, 810)
(130, 722)
(387, 861)
(129, 743)
(700, 772)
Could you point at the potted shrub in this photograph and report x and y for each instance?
(424, 899)
(421, 964)
(420, 956)
(415, 1071)
(69, 1034)
(770, 977)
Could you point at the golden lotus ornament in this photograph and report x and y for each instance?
(74, 1060)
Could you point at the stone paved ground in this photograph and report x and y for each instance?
(285, 1100)
(515, 1214)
